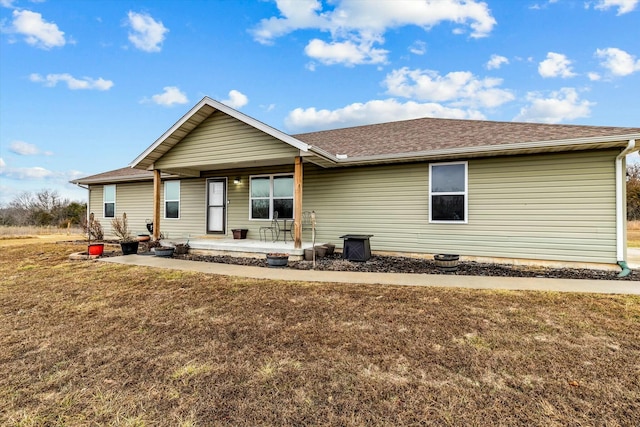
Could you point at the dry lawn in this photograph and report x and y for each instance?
(633, 234)
(90, 343)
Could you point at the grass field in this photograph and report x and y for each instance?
(633, 234)
(91, 343)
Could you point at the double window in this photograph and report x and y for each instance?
(172, 199)
(109, 201)
(448, 192)
(270, 194)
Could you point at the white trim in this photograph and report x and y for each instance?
(172, 200)
(464, 193)
(270, 198)
(104, 202)
(225, 205)
(620, 175)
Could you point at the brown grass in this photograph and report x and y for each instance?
(633, 234)
(31, 231)
(90, 343)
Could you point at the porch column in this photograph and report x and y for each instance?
(156, 204)
(297, 203)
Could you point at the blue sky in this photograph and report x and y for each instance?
(87, 85)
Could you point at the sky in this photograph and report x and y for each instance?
(88, 85)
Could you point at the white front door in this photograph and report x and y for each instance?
(216, 205)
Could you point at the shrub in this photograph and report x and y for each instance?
(121, 229)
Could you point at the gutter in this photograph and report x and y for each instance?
(621, 219)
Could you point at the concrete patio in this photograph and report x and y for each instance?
(241, 247)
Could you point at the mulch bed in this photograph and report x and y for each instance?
(394, 264)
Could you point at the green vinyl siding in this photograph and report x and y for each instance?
(542, 207)
(547, 207)
(136, 199)
(221, 139)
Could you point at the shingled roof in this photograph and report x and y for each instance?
(408, 140)
(427, 134)
(118, 175)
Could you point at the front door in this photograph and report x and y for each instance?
(216, 205)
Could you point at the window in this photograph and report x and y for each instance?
(271, 193)
(172, 199)
(109, 201)
(448, 192)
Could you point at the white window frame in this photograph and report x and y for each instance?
(172, 200)
(271, 178)
(464, 193)
(105, 201)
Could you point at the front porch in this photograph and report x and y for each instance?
(249, 248)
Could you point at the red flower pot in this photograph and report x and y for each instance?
(96, 249)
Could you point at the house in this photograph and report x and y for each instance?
(481, 189)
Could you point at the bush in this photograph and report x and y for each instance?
(93, 228)
(121, 229)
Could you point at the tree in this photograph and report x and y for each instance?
(633, 191)
(44, 208)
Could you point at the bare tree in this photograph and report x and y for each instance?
(45, 207)
(633, 191)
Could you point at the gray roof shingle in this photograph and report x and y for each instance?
(419, 135)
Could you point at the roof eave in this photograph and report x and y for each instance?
(495, 150)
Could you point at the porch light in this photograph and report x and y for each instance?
(237, 180)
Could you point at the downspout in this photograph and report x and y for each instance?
(620, 209)
(88, 198)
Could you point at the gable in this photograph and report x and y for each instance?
(223, 141)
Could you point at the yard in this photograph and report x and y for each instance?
(85, 342)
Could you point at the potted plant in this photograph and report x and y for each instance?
(93, 228)
(128, 243)
(181, 248)
(447, 262)
(164, 251)
(240, 233)
(277, 259)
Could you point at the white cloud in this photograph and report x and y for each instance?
(51, 80)
(460, 88)
(36, 173)
(418, 48)
(561, 105)
(6, 3)
(537, 6)
(556, 65)
(32, 173)
(355, 26)
(36, 31)
(25, 149)
(496, 61)
(236, 99)
(617, 61)
(147, 34)
(624, 6)
(171, 95)
(349, 53)
(375, 111)
(594, 77)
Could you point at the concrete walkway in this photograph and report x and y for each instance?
(439, 280)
